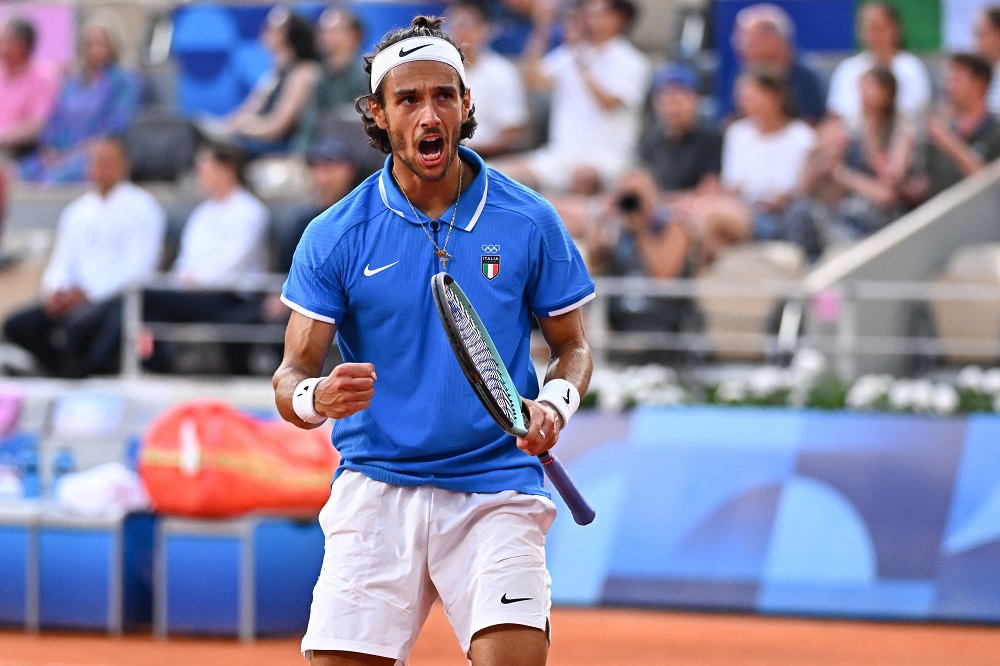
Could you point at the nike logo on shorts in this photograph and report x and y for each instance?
(403, 52)
(370, 272)
(505, 600)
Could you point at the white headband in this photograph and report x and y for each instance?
(412, 49)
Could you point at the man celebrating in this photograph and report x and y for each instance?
(431, 497)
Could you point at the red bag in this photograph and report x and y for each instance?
(209, 459)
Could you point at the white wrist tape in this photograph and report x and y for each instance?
(562, 395)
(302, 401)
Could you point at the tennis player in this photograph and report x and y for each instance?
(431, 498)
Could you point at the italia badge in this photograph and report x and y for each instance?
(491, 261)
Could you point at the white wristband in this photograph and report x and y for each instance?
(302, 401)
(562, 395)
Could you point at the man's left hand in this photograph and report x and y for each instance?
(543, 428)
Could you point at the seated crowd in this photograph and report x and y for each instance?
(643, 178)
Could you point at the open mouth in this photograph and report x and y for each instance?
(431, 149)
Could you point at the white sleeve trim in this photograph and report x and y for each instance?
(569, 308)
(308, 313)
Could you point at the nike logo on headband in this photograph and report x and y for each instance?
(403, 52)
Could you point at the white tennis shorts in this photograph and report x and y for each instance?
(392, 550)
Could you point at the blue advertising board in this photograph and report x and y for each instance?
(779, 511)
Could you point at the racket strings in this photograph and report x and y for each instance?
(481, 356)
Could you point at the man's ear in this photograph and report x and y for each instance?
(466, 104)
(378, 113)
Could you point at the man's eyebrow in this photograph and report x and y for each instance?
(402, 92)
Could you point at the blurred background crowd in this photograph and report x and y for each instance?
(661, 157)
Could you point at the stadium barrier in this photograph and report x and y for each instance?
(765, 510)
(892, 516)
(772, 327)
(912, 249)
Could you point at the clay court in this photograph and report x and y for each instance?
(581, 638)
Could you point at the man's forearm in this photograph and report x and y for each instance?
(285, 380)
(574, 363)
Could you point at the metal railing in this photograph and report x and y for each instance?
(133, 326)
(742, 336)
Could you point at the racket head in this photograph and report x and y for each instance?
(478, 357)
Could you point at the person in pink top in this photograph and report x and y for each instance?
(28, 89)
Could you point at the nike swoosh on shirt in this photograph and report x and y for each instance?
(403, 52)
(370, 272)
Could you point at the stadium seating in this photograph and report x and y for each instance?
(737, 324)
(958, 321)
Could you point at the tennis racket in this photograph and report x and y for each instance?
(488, 376)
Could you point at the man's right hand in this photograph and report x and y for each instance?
(60, 303)
(347, 390)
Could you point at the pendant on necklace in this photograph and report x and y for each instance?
(443, 257)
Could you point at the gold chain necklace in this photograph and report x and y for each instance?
(441, 252)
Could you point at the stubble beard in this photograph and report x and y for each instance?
(396, 143)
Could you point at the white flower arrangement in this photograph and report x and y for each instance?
(806, 382)
(615, 390)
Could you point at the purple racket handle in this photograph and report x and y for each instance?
(582, 512)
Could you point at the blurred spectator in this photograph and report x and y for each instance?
(224, 240)
(333, 172)
(99, 99)
(339, 37)
(107, 239)
(881, 33)
(855, 177)
(637, 237)
(266, 120)
(764, 38)
(987, 33)
(964, 136)
(27, 88)
(497, 90)
(598, 81)
(677, 149)
(511, 24)
(763, 156)
(6, 259)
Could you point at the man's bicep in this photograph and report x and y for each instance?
(562, 329)
(570, 354)
(307, 343)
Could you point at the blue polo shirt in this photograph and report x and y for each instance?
(366, 266)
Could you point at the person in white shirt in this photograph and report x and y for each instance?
(225, 239)
(880, 31)
(598, 82)
(497, 89)
(763, 156)
(987, 36)
(109, 238)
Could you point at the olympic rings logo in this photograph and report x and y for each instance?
(491, 249)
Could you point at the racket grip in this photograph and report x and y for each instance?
(582, 512)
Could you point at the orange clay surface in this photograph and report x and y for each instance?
(580, 638)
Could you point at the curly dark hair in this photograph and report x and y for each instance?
(421, 26)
